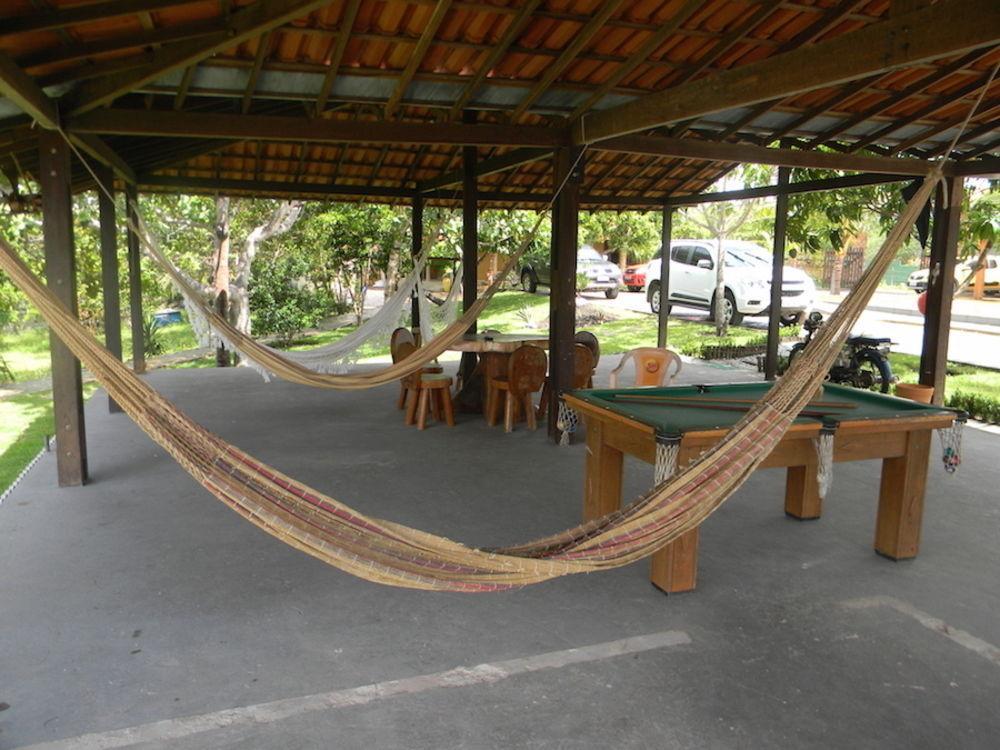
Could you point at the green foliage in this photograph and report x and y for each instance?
(152, 345)
(977, 405)
(282, 300)
(634, 233)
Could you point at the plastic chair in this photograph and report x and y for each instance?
(525, 375)
(652, 366)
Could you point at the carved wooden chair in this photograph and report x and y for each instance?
(525, 376)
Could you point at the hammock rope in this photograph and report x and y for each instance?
(390, 553)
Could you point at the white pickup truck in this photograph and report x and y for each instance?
(917, 281)
(747, 281)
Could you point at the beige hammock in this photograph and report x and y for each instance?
(390, 553)
(271, 362)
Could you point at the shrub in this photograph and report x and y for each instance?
(283, 302)
(978, 406)
(151, 341)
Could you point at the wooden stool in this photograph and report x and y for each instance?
(434, 386)
(525, 375)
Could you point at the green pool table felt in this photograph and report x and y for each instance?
(674, 419)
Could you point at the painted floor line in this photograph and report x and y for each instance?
(279, 710)
(962, 638)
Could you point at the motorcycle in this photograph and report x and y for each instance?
(863, 363)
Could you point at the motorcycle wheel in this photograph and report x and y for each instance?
(872, 371)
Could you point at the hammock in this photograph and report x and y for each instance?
(275, 362)
(390, 553)
(443, 314)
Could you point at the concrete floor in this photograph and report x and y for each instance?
(139, 612)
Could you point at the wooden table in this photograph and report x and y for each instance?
(884, 427)
(494, 351)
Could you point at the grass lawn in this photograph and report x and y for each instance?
(27, 351)
(25, 420)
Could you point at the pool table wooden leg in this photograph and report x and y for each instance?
(603, 491)
(802, 498)
(901, 498)
(675, 567)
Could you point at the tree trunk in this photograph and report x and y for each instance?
(279, 222)
(219, 275)
(721, 319)
(392, 272)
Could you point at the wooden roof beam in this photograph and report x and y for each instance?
(263, 44)
(18, 87)
(580, 40)
(47, 20)
(268, 187)
(517, 24)
(694, 148)
(946, 28)
(895, 98)
(244, 24)
(924, 112)
(511, 160)
(276, 128)
(337, 57)
(988, 110)
(417, 56)
(641, 55)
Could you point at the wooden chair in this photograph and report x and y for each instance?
(525, 375)
(652, 366)
(398, 337)
(583, 373)
(590, 341)
(401, 345)
(419, 389)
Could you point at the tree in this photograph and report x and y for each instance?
(633, 235)
(720, 220)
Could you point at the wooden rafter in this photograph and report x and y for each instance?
(893, 99)
(244, 24)
(580, 40)
(417, 56)
(263, 45)
(337, 56)
(641, 55)
(47, 20)
(273, 128)
(946, 28)
(988, 110)
(511, 160)
(922, 113)
(513, 31)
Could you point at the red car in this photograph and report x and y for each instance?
(634, 277)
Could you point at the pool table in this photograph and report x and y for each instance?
(870, 425)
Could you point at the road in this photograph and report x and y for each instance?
(975, 330)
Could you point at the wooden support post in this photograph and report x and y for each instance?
(666, 231)
(109, 267)
(777, 275)
(60, 273)
(470, 240)
(941, 282)
(562, 294)
(135, 280)
(417, 237)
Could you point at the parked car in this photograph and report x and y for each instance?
(601, 274)
(634, 277)
(917, 281)
(747, 281)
